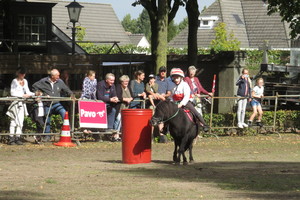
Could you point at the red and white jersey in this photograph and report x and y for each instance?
(181, 92)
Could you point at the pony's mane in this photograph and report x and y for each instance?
(164, 108)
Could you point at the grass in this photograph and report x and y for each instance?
(50, 181)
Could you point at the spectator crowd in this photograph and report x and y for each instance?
(185, 91)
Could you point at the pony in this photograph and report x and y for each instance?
(182, 128)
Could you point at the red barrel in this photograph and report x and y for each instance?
(136, 136)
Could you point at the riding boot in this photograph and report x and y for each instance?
(190, 106)
(204, 125)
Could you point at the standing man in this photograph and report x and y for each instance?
(106, 91)
(165, 85)
(52, 86)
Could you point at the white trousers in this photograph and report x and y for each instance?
(16, 125)
(241, 111)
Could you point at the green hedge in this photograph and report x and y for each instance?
(286, 119)
(253, 60)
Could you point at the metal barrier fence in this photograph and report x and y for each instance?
(56, 99)
(46, 99)
(74, 101)
(273, 126)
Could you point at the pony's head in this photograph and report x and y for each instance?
(163, 111)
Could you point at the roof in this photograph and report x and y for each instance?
(99, 20)
(137, 38)
(261, 26)
(43, 1)
(247, 19)
(204, 35)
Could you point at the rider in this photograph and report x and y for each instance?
(181, 94)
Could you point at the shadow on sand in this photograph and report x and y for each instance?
(262, 180)
(22, 195)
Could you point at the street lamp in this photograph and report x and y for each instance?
(74, 9)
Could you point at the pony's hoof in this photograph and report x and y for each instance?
(177, 163)
(192, 161)
(185, 163)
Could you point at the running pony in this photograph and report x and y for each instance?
(182, 128)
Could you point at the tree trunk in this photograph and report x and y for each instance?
(193, 13)
(154, 38)
(162, 34)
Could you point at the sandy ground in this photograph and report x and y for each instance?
(261, 167)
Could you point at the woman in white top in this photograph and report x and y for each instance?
(17, 110)
(257, 94)
(181, 94)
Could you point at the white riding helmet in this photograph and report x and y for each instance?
(177, 71)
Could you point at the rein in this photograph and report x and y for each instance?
(171, 116)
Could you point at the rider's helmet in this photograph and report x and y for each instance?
(177, 71)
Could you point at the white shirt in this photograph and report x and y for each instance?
(182, 93)
(258, 91)
(17, 90)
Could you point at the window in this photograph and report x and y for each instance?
(238, 19)
(32, 29)
(207, 22)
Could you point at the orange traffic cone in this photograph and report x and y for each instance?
(65, 136)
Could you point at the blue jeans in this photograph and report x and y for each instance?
(56, 108)
(117, 123)
(135, 104)
(111, 115)
(255, 103)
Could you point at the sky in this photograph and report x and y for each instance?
(123, 7)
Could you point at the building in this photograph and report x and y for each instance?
(139, 40)
(42, 26)
(27, 27)
(247, 19)
(100, 21)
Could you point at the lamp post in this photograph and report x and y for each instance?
(74, 9)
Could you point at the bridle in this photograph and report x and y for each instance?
(176, 113)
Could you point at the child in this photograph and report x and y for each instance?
(151, 89)
(257, 94)
(244, 92)
(37, 114)
(181, 95)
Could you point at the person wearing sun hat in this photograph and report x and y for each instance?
(181, 94)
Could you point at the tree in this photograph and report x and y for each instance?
(130, 25)
(289, 10)
(144, 24)
(172, 30)
(192, 9)
(80, 33)
(203, 9)
(183, 24)
(161, 13)
(223, 41)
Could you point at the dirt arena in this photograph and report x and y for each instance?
(260, 167)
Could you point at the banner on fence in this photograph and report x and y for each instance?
(92, 114)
